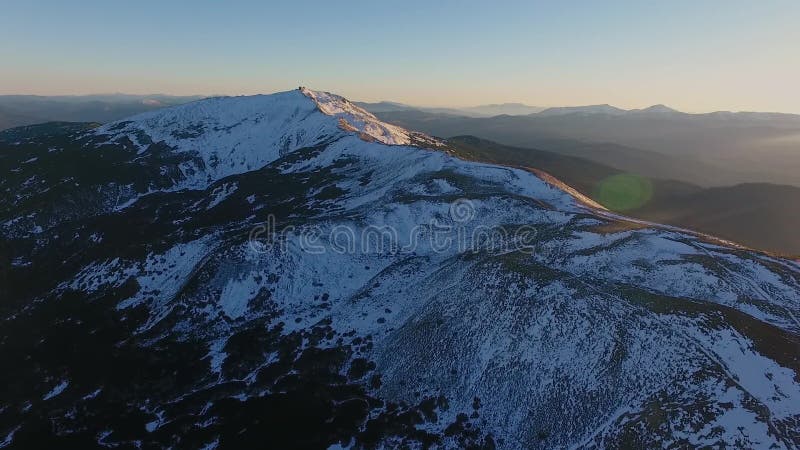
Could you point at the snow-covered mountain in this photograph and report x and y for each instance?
(237, 134)
(287, 270)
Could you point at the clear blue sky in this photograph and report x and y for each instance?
(693, 55)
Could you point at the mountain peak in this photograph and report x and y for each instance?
(354, 118)
(236, 134)
(656, 109)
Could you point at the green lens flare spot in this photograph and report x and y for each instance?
(624, 192)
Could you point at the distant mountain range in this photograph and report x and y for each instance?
(609, 110)
(512, 109)
(713, 149)
(19, 110)
(591, 109)
(521, 109)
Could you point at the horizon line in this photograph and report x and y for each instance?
(543, 107)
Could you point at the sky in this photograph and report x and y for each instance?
(692, 55)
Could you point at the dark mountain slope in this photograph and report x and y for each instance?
(583, 174)
(761, 215)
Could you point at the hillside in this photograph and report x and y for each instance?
(759, 215)
(287, 270)
(756, 215)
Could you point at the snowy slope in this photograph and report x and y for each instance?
(237, 134)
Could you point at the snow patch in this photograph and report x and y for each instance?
(57, 390)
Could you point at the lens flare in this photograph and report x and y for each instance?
(624, 192)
